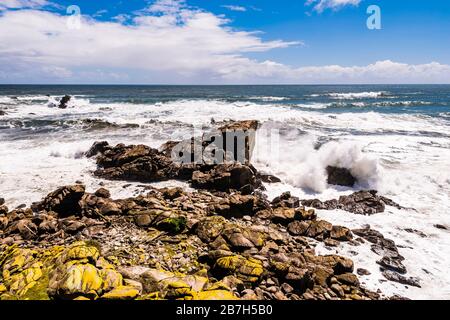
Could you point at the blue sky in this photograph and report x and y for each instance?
(215, 42)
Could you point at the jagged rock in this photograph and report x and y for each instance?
(286, 200)
(267, 178)
(341, 233)
(95, 206)
(236, 205)
(64, 201)
(361, 202)
(2, 201)
(348, 279)
(394, 276)
(227, 263)
(340, 176)
(225, 177)
(103, 193)
(319, 228)
(25, 227)
(3, 210)
(98, 147)
(298, 228)
(134, 163)
(64, 101)
(392, 264)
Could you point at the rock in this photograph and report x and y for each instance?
(340, 176)
(286, 201)
(283, 215)
(3, 210)
(98, 147)
(394, 276)
(245, 131)
(63, 102)
(363, 272)
(299, 228)
(74, 227)
(25, 227)
(210, 228)
(248, 270)
(225, 177)
(341, 233)
(103, 193)
(121, 293)
(134, 163)
(2, 112)
(331, 242)
(287, 288)
(212, 295)
(392, 264)
(319, 228)
(391, 260)
(172, 193)
(64, 201)
(338, 290)
(361, 202)
(3, 223)
(267, 178)
(2, 201)
(236, 205)
(348, 279)
(441, 227)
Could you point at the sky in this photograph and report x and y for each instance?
(223, 42)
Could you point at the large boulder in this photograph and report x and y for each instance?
(226, 177)
(134, 163)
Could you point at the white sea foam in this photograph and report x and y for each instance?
(268, 98)
(359, 95)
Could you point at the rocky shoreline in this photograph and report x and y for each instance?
(223, 241)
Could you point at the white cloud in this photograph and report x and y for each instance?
(171, 43)
(321, 5)
(19, 4)
(235, 8)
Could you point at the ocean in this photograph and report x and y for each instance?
(394, 138)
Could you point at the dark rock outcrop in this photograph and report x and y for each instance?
(340, 177)
(361, 202)
(64, 101)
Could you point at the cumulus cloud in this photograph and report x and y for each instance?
(321, 5)
(167, 43)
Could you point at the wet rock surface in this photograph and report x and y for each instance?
(361, 202)
(391, 262)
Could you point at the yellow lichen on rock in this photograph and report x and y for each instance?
(215, 295)
(121, 293)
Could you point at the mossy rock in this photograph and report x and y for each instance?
(172, 225)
